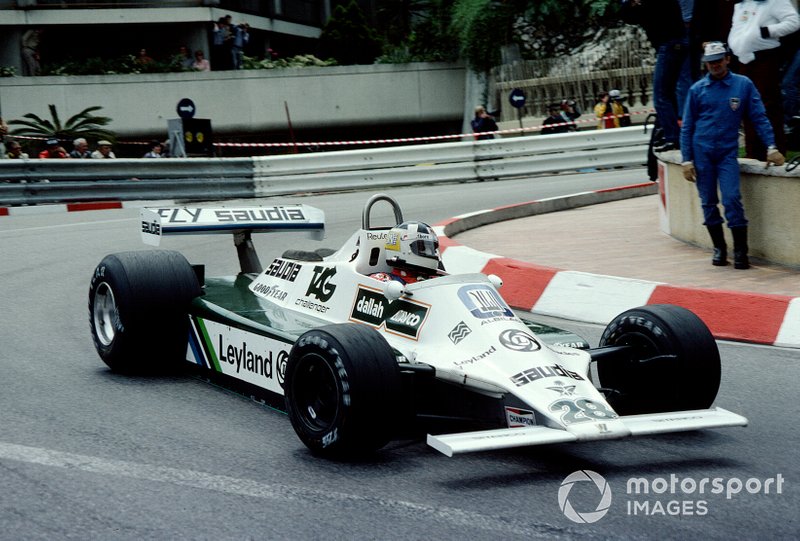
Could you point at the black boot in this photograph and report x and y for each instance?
(740, 260)
(720, 258)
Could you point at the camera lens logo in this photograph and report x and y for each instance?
(584, 476)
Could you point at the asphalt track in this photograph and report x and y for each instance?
(88, 454)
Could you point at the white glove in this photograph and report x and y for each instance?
(774, 156)
(689, 172)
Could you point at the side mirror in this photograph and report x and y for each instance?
(394, 290)
(496, 281)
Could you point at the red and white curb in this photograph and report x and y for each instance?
(594, 298)
(78, 207)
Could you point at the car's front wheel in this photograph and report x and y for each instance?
(671, 361)
(138, 309)
(343, 390)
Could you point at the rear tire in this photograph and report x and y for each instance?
(686, 377)
(343, 390)
(138, 309)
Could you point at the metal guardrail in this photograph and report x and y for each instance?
(54, 181)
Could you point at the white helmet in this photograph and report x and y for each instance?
(413, 245)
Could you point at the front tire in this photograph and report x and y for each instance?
(138, 309)
(343, 390)
(673, 363)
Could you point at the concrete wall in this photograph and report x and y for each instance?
(770, 196)
(251, 100)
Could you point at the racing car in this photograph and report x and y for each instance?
(358, 361)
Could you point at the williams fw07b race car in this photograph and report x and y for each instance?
(358, 361)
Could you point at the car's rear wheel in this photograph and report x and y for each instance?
(343, 390)
(672, 363)
(138, 309)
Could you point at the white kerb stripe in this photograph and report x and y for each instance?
(463, 259)
(593, 298)
(789, 333)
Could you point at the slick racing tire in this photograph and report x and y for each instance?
(138, 309)
(342, 390)
(673, 363)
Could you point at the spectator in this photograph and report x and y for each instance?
(3, 133)
(711, 21)
(30, 52)
(754, 39)
(103, 151)
(617, 99)
(143, 59)
(570, 112)
(185, 58)
(155, 150)
(80, 149)
(555, 123)
(220, 55)
(54, 150)
(607, 111)
(715, 107)
(662, 21)
(15, 151)
(200, 62)
(240, 37)
(791, 95)
(483, 123)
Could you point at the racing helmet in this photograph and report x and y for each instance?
(412, 245)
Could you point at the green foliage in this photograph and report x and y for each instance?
(427, 36)
(112, 66)
(298, 61)
(483, 27)
(348, 38)
(84, 124)
(7, 71)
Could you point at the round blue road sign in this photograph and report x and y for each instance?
(517, 98)
(186, 108)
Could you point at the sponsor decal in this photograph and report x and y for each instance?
(519, 418)
(541, 372)
(303, 303)
(401, 317)
(582, 410)
(280, 366)
(561, 389)
(153, 228)
(253, 358)
(459, 332)
(517, 340)
(285, 270)
(321, 286)
(483, 302)
(734, 103)
(273, 214)
(476, 358)
(180, 216)
(270, 292)
(376, 236)
(244, 358)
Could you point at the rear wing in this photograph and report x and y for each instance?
(241, 222)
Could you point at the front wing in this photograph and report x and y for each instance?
(634, 425)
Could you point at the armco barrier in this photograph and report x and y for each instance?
(221, 178)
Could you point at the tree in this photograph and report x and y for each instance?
(84, 124)
(483, 27)
(348, 37)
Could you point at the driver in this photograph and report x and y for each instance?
(412, 249)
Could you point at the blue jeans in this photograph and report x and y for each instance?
(722, 167)
(671, 74)
(791, 89)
